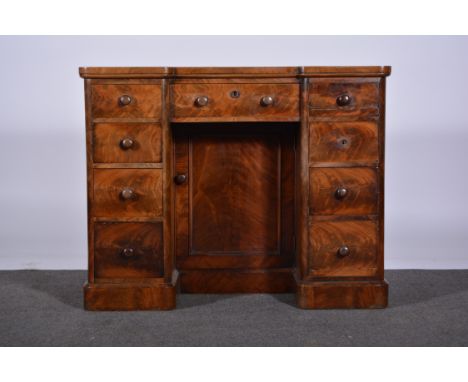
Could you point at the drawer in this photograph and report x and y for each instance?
(126, 101)
(343, 248)
(122, 193)
(344, 142)
(343, 191)
(236, 102)
(128, 250)
(344, 97)
(127, 142)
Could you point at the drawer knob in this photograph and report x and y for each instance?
(340, 193)
(343, 100)
(127, 252)
(126, 143)
(201, 101)
(343, 251)
(180, 179)
(266, 101)
(125, 100)
(127, 193)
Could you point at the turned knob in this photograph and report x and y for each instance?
(180, 179)
(266, 101)
(127, 252)
(127, 193)
(201, 101)
(126, 143)
(340, 193)
(343, 100)
(125, 100)
(343, 251)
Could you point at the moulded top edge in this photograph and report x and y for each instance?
(207, 72)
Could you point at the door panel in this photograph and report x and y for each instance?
(235, 208)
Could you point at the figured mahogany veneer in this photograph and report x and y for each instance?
(235, 180)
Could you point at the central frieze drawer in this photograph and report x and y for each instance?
(235, 102)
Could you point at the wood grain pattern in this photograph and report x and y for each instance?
(221, 105)
(237, 72)
(260, 189)
(146, 138)
(342, 295)
(129, 296)
(239, 197)
(350, 142)
(325, 239)
(147, 187)
(145, 241)
(360, 183)
(364, 95)
(235, 281)
(146, 101)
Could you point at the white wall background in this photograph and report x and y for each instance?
(42, 139)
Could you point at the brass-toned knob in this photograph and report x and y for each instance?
(180, 179)
(201, 101)
(127, 252)
(125, 100)
(127, 193)
(340, 193)
(343, 251)
(266, 101)
(126, 143)
(343, 100)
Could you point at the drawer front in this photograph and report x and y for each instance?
(127, 193)
(343, 191)
(126, 101)
(343, 142)
(344, 97)
(128, 250)
(343, 248)
(236, 101)
(127, 142)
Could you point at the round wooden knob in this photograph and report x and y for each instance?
(180, 179)
(127, 193)
(343, 251)
(201, 101)
(266, 101)
(126, 143)
(343, 100)
(340, 193)
(125, 100)
(127, 252)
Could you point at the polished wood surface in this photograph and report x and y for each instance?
(361, 191)
(145, 101)
(235, 208)
(127, 143)
(363, 95)
(235, 180)
(344, 142)
(240, 102)
(110, 199)
(326, 239)
(128, 250)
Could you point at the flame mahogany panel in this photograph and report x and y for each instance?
(145, 183)
(143, 239)
(360, 183)
(145, 103)
(327, 237)
(146, 146)
(247, 106)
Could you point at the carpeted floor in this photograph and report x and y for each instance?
(44, 308)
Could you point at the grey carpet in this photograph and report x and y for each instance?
(44, 308)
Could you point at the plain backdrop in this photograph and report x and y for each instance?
(42, 139)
